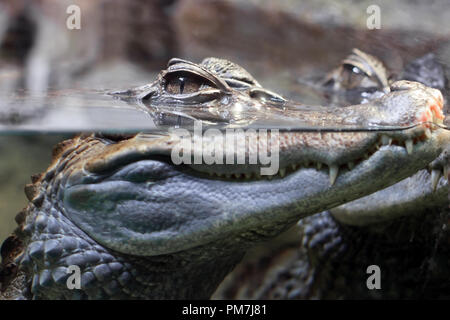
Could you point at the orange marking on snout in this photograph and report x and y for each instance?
(426, 116)
(437, 111)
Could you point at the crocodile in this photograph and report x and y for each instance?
(140, 227)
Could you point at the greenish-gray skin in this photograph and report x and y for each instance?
(140, 227)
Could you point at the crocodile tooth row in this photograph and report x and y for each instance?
(333, 168)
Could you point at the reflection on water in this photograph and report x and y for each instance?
(72, 111)
(68, 111)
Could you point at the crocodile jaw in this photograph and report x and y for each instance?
(174, 209)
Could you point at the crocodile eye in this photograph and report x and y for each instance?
(352, 76)
(184, 83)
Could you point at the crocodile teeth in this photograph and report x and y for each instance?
(409, 146)
(435, 175)
(334, 170)
(386, 141)
(237, 175)
(446, 172)
(248, 175)
(293, 166)
(282, 172)
(319, 165)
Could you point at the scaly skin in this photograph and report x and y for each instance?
(140, 227)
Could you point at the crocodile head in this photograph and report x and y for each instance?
(139, 226)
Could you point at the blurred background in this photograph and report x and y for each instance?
(122, 44)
